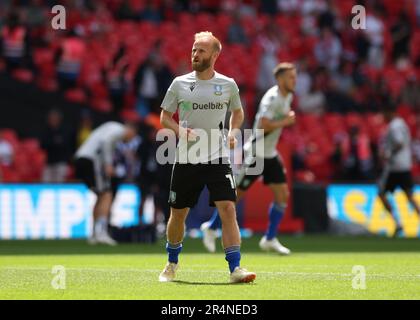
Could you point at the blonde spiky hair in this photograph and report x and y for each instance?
(207, 34)
(282, 68)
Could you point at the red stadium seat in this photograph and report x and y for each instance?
(10, 135)
(30, 145)
(23, 75)
(43, 55)
(130, 115)
(76, 95)
(9, 175)
(101, 104)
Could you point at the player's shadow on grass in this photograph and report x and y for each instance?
(198, 283)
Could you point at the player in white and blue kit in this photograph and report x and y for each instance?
(273, 115)
(396, 153)
(203, 97)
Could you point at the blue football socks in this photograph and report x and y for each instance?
(233, 257)
(173, 251)
(276, 213)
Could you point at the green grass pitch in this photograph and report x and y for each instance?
(321, 267)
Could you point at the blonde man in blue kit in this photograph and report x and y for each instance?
(203, 97)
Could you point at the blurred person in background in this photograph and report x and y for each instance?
(36, 20)
(85, 128)
(153, 178)
(150, 12)
(328, 50)
(57, 143)
(6, 151)
(6, 154)
(410, 94)
(401, 35)
(357, 156)
(397, 157)
(69, 59)
(115, 77)
(14, 43)
(94, 165)
(375, 30)
(126, 163)
(312, 102)
(270, 41)
(304, 79)
(236, 33)
(150, 82)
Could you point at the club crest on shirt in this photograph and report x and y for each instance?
(192, 86)
(217, 90)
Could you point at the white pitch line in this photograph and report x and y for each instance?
(267, 273)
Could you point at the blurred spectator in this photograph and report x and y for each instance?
(150, 12)
(310, 10)
(327, 17)
(270, 41)
(361, 44)
(56, 142)
(328, 50)
(285, 6)
(85, 128)
(348, 69)
(70, 58)
(417, 4)
(246, 8)
(236, 33)
(14, 43)
(357, 155)
(304, 80)
(126, 163)
(6, 155)
(6, 152)
(375, 33)
(337, 156)
(125, 11)
(312, 102)
(401, 34)
(116, 80)
(35, 14)
(151, 81)
(36, 19)
(154, 178)
(411, 93)
(336, 101)
(313, 6)
(344, 77)
(270, 6)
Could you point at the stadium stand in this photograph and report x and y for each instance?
(353, 97)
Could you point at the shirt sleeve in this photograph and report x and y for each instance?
(266, 108)
(170, 102)
(235, 99)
